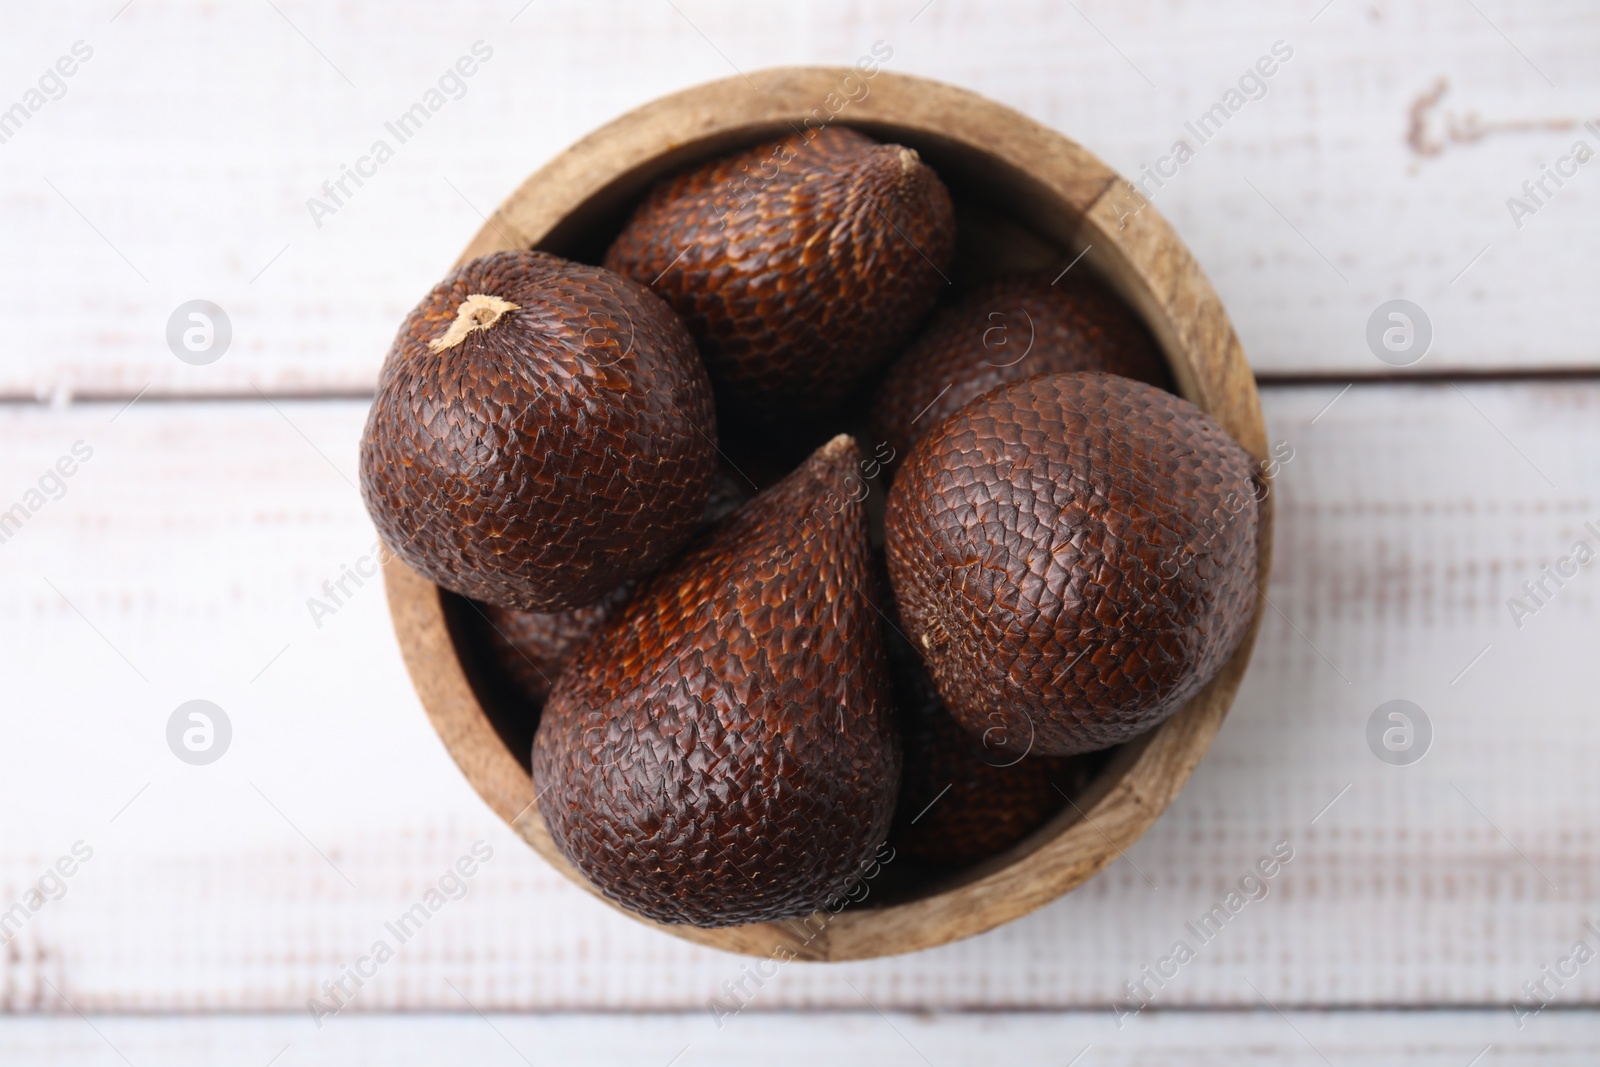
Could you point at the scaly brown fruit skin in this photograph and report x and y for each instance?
(542, 460)
(530, 649)
(1005, 331)
(723, 751)
(961, 801)
(1074, 556)
(799, 266)
(730, 490)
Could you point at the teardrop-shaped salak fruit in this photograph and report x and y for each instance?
(528, 650)
(1074, 556)
(800, 266)
(1005, 331)
(543, 432)
(963, 798)
(723, 751)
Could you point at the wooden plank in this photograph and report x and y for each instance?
(180, 161)
(1295, 1039)
(179, 562)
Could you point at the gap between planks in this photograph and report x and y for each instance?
(1266, 380)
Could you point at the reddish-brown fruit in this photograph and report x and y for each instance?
(1074, 556)
(723, 751)
(800, 266)
(543, 432)
(528, 650)
(1005, 331)
(730, 489)
(963, 800)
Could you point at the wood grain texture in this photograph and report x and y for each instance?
(194, 537)
(999, 161)
(180, 561)
(1296, 1039)
(192, 141)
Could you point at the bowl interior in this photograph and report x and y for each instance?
(1006, 223)
(1027, 199)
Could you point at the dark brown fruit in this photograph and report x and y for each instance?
(543, 432)
(799, 266)
(1074, 556)
(962, 800)
(1005, 331)
(723, 751)
(730, 489)
(528, 650)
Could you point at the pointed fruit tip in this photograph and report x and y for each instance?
(841, 447)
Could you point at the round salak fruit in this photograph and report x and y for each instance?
(1074, 556)
(960, 801)
(1010, 329)
(543, 433)
(800, 266)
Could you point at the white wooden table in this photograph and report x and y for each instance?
(175, 562)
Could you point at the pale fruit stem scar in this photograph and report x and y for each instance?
(477, 312)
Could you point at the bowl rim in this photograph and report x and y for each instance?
(1071, 197)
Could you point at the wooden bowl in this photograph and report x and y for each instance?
(1027, 198)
